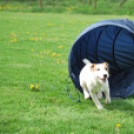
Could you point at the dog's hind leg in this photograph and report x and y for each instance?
(96, 101)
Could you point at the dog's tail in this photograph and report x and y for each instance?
(85, 61)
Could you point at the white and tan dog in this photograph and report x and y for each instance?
(93, 80)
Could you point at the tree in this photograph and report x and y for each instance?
(90, 2)
(40, 4)
(122, 3)
(30, 2)
(95, 4)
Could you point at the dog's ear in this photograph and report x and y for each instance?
(92, 67)
(105, 63)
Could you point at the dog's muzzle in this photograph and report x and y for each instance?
(103, 80)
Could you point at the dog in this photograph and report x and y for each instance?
(94, 81)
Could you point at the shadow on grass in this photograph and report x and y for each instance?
(123, 105)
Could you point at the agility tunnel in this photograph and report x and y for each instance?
(111, 41)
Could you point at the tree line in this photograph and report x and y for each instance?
(90, 3)
(94, 2)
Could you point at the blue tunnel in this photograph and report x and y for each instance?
(111, 41)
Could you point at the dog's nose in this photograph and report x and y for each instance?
(105, 75)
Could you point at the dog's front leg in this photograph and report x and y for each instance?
(108, 98)
(96, 101)
(86, 93)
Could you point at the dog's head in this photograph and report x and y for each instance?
(101, 71)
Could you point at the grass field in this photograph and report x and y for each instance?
(34, 51)
(69, 6)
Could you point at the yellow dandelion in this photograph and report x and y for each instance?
(32, 38)
(49, 24)
(40, 52)
(72, 7)
(37, 86)
(118, 125)
(40, 38)
(35, 33)
(12, 32)
(48, 52)
(32, 86)
(54, 54)
(28, 32)
(15, 39)
(20, 28)
(60, 47)
(11, 40)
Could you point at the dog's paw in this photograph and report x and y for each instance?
(107, 101)
(100, 107)
(87, 96)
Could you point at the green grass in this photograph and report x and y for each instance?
(69, 6)
(30, 54)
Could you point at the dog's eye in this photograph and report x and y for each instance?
(106, 69)
(98, 69)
